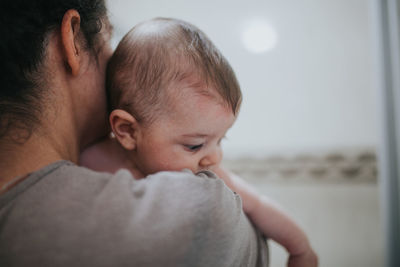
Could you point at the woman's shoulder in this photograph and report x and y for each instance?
(176, 188)
(76, 189)
(182, 217)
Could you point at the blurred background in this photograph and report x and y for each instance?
(307, 132)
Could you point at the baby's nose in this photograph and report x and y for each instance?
(212, 159)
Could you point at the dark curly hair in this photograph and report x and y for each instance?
(24, 27)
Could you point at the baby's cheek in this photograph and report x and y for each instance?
(163, 163)
(177, 162)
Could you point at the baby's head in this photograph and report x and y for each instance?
(173, 96)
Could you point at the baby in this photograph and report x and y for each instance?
(173, 97)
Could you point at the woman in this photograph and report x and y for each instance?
(54, 213)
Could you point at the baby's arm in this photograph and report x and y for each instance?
(272, 221)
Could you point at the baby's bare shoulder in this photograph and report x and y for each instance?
(104, 156)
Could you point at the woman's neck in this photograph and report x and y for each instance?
(21, 158)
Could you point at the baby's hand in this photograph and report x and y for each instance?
(307, 259)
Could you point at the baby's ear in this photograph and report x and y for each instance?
(125, 128)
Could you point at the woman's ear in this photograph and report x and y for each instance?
(125, 128)
(70, 29)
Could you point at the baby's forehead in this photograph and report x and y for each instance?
(191, 110)
(194, 92)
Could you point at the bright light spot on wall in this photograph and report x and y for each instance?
(258, 36)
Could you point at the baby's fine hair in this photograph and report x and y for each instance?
(158, 55)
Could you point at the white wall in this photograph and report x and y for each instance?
(313, 91)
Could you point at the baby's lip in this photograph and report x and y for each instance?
(208, 173)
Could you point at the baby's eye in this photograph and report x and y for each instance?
(194, 147)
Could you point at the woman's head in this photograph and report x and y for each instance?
(26, 27)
